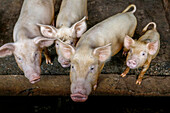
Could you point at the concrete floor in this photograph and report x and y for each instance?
(147, 10)
(98, 10)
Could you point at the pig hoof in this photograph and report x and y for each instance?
(138, 82)
(94, 87)
(123, 75)
(124, 53)
(48, 61)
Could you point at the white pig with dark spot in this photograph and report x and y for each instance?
(28, 41)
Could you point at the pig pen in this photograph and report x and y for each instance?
(155, 87)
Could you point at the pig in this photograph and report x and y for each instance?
(70, 25)
(28, 41)
(142, 51)
(94, 48)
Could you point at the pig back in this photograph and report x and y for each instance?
(151, 36)
(33, 12)
(71, 11)
(111, 30)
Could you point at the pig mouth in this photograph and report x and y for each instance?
(35, 80)
(67, 64)
(131, 67)
(79, 97)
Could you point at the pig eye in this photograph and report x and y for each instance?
(36, 54)
(71, 43)
(19, 58)
(143, 53)
(91, 68)
(130, 50)
(72, 67)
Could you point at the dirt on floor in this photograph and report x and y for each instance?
(98, 10)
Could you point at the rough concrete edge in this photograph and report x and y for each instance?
(108, 85)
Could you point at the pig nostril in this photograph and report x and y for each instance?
(129, 62)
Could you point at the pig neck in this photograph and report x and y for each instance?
(149, 36)
(111, 30)
(23, 33)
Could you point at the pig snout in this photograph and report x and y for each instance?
(64, 62)
(132, 64)
(79, 94)
(34, 78)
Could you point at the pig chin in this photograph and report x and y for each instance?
(64, 63)
(78, 97)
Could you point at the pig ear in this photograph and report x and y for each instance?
(103, 52)
(152, 47)
(7, 49)
(48, 31)
(66, 50)
(79, 27)
(128, 41)
(43, 42)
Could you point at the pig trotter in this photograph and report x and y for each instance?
(47, 57)
(48, 60)
(125, 51)
(125, 72)
(123, 75)
(140, 77)
(94, 87)
(139, 81)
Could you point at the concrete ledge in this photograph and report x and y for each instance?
(108, 84)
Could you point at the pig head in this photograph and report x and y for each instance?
(27, 54)
(68, 35)
(86, 66)
(139, 52)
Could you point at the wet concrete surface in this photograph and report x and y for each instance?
(98, 10)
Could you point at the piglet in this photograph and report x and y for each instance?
(28, 41)
(70, 25)
(142, 51)
(94, 48)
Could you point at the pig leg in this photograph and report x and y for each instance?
(145, 68)
(47, 57)
(125, 51)
(125, 72)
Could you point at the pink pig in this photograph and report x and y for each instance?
(142, 51)
(28, 41)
